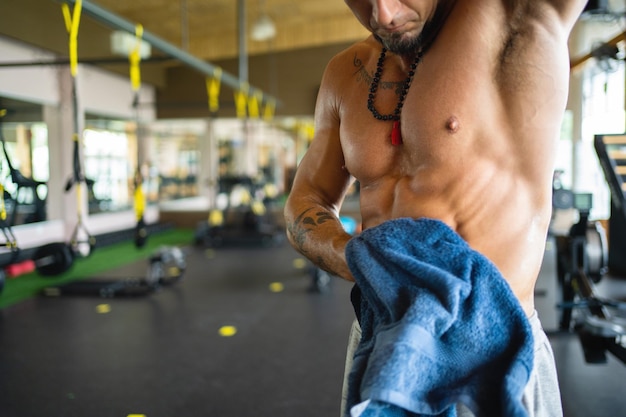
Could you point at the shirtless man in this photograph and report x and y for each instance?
(477, 136)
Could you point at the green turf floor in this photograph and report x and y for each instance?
(101, 260)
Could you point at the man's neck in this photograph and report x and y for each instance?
(434, 25)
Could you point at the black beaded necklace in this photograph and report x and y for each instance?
(396, 135)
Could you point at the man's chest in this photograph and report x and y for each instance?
(440, 121)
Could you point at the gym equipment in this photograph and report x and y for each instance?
(134, 58)
(19, 268)
(611, 150)
(166, 266)
(141, 232)
(581, 262)
(79, 245)
(244, 220)
(10, 242)
(26, 186)
(53, 258)
(56, 258)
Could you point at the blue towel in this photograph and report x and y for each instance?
(440, 326)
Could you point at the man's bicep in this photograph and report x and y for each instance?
(568, 11)
(321, 177)
(322, 170)
(562, 13)
(312, 209)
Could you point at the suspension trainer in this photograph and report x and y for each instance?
(134, 59)
(56, 258)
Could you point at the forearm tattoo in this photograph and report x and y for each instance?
(307, 222)
(364, 77)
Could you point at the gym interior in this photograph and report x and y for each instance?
(147, 150)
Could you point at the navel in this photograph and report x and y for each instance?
(453, 124)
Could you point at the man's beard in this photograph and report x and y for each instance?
(402, 45)
(408, 44)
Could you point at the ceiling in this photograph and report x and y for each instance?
(209, 29)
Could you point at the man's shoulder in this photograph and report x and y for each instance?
(351, 61)
(361, 50)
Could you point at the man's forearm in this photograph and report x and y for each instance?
(317, 233)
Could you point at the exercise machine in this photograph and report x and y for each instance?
(611, 151)
(166, 266)
(243, 220)
(26, 197)
(581, 263)
(9, 246)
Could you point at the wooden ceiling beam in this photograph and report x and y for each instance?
(577, 62)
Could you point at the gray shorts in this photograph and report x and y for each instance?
(542, 397)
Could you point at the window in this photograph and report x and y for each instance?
(108, 167)
(603, 113)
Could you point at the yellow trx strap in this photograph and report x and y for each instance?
(213, 85)
(71, 25)
(268, 112)
(135, 58)
(3, 209)
(72, 22)
(253, 105)
(140, 201)
(241, 101)
(141, 233)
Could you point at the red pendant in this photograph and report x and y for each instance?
(396, 135)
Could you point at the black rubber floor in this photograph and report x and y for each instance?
(162, 355)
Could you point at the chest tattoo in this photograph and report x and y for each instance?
(363, 76)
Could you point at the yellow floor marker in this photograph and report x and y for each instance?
(209, 253)
(103, 308)
(136, 415)
(276, 287)
(299, 263)
(227, 331)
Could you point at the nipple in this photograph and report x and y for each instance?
(453, 125)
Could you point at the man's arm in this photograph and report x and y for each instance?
(568, 10)
(320, 185)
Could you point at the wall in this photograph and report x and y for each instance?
(293, 78)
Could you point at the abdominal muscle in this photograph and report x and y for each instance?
(495, 218)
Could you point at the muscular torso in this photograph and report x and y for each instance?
(479, 126)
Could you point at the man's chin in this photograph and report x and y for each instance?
(404, 44)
